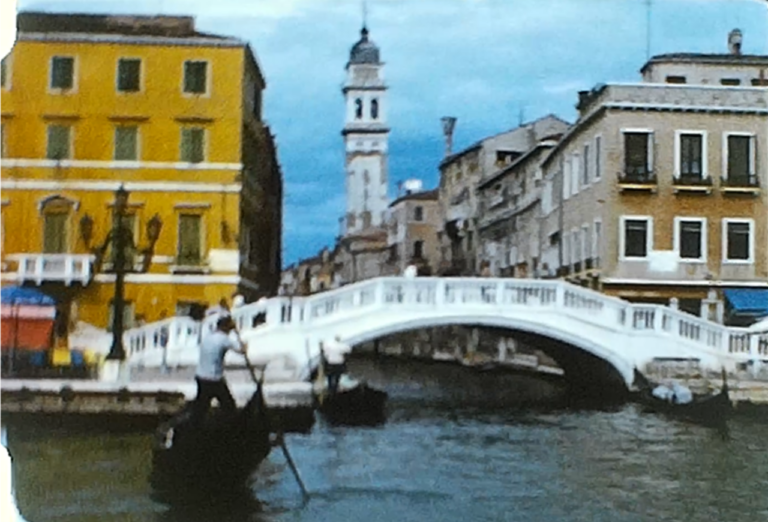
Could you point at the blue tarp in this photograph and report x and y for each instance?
(20, 295)
(747, 300)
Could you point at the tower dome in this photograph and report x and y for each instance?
(364, 51)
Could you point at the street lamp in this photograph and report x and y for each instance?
(123, 252)
(119, 245)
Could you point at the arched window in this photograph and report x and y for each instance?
(374, 109)
(358, 108)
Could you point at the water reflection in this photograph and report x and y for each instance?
(444, 455)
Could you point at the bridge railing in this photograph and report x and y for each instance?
(459, 294)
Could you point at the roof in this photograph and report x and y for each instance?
(129, 25)
(477, 145)
(708, 58)
(425, 195)
(364, 51)
(546, 143)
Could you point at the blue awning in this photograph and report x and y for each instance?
(21, 295)
(747, 300)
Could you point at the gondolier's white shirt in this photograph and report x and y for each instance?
(212, 351)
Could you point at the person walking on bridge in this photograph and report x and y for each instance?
(210, 369)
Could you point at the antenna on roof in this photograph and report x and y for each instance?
(365, 13)
(648, 4)
(521, 116)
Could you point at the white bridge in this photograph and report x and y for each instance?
(290, 329)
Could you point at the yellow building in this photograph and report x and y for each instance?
(90, 103)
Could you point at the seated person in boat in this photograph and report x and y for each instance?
(675, 393)
(210, 369)
(334, 362)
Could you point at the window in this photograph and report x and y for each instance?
(738, 240)
(691, 238)
(598, 164)
(566, 179)
(638, 155)
(575, 164)
(129, 75)
(676, 79)
(190, 240)
(741, 157)
(193, 144)
(691, 153)
(759, 82)
(127, 143)
(374, 109)
(55, 232)
(3, 150)
(575, 247)
(585, 244)
(129, 222)
(195, 77)
(585, 167)
(4, 74)
(596, 242)
(62, 72)
(418, 214)
(358, 108)
(418, 249)
(730, 81)
(59, 142)
(636, 237)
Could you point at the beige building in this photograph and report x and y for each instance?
(509, 216)
(414, 219)
(460, 175)
(657, 194)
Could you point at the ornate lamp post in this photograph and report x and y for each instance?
(123, 254)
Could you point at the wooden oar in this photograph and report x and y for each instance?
(280, 438)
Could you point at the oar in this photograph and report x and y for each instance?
(280, 439)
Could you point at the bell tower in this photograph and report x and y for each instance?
(365, 138)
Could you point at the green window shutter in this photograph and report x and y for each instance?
(58, 142)
(128, 75)
(195, 77)
(190, 239)
(55, 233)
(126, 143)
(193, 144)
(62, 72)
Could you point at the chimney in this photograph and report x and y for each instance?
(734, 42)
(449, 122)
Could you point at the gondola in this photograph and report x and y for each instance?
(707, 410)
(353, 404)
(209, 459)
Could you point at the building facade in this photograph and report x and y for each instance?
(92, 103)
(509, 205)
(658, 192)
(460, 175)
(414, 219)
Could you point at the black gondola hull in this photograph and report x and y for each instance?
(210, 459)
(361, 405)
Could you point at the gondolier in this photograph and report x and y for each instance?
(334, 361)
(210, 369)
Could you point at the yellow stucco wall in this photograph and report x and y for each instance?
(159, 183)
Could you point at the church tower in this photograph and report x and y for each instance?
(365, 138)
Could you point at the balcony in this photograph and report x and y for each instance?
(54, 268)
(745, 184)
(692, 183)
(637, 181)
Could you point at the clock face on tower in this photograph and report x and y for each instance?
(7, 26)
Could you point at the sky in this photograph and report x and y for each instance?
(485, 62)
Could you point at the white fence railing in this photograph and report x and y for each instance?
(457, 296)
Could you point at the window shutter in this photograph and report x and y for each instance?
(189, 240)
(651, 166)
(55, 233)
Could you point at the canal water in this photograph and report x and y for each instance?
(456, 448)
